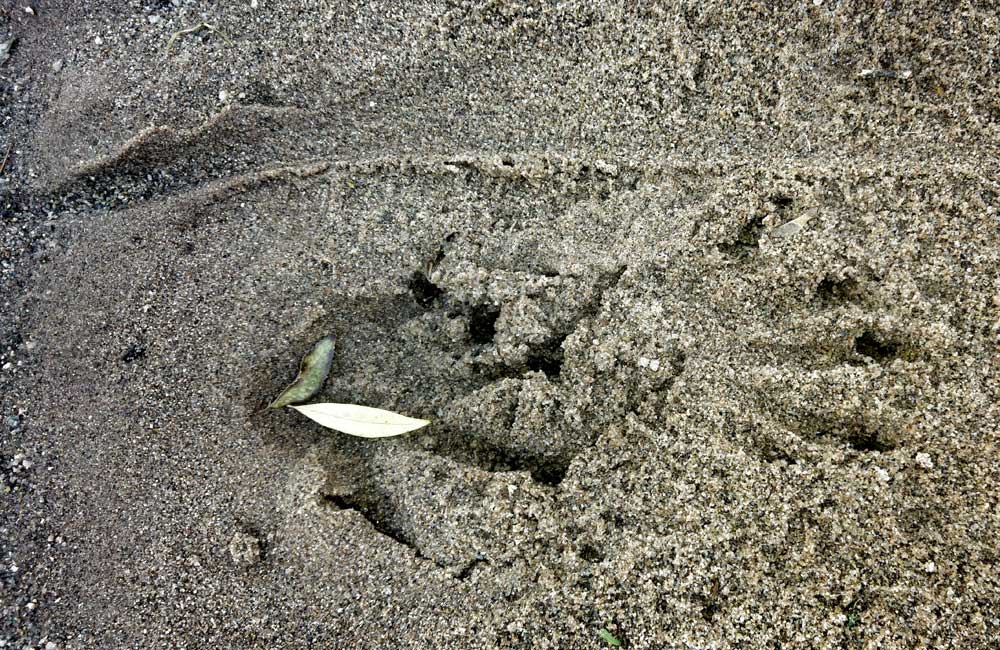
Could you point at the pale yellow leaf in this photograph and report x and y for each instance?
(362, 421)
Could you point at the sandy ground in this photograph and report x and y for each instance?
(702, 300)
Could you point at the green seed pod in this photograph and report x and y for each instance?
(312, 373)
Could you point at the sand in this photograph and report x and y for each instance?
(702, 300)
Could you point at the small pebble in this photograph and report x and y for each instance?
(57, 65)
(654, 364)
(244, 548)
(924, 460)
(98, 40)
(930, 567)
(643, 362)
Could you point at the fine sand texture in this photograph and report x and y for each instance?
(701, 298)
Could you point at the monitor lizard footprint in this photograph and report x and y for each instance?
(489, 401)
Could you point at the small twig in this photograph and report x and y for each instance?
(3, 166)
(193, 30)
(257, 412)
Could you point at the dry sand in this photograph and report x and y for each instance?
(558, 230)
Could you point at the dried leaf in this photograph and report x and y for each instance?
(5, 48)
(313, 370)
(795, 225)
(362, 421)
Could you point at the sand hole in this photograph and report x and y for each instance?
(782, 202)
(590, 553)
(747, 240)
(831, 292)
(868, 441)
(423, 290)
(875, 348)
(134, 353)
(549, 363)
(483, 323)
